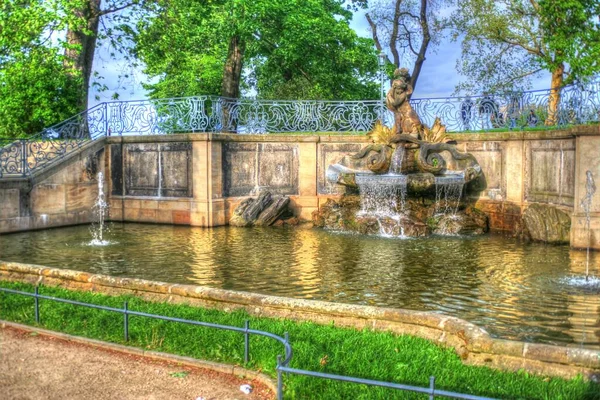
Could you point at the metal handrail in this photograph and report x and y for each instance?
(282, 365)
(579, 104)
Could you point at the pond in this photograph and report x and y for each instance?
(515, 290)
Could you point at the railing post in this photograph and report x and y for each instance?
(106, 131)
(286, 336)
(432, 387)
(246, 342)
(279, 379)
(126, 321)
(37, 305)
(24, 156)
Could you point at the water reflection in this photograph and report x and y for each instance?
(514, 290)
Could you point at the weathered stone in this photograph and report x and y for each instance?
(546, 223)
(460, 224)
(414, 218)
(273, 211)
(262, 211)
(419, 183)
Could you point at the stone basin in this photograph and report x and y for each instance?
(416, 183)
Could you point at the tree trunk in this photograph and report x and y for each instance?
(230, 87)
(424, 44)
(554, 98)
(79, 55)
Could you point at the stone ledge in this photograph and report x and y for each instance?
(155, 355)
(472, 343)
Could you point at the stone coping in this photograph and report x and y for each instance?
(473, 344)
(333, 137)
(326, 137)
(154, 355)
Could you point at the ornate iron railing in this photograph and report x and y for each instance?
(218, 114)
(576, 104)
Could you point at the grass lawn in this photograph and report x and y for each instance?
(360, 353)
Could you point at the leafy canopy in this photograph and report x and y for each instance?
(35, 92)
(505, 42)
(292, 49)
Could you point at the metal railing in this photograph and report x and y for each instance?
(282, 364)
(575, 104)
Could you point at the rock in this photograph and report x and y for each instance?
(254, 208)
(273, 211)
(420, 182)
(292, 221)
(262, 211)
(546, 223)
(460, 224)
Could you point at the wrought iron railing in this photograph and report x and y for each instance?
(575, 104)
(282, 363)
(21, 157)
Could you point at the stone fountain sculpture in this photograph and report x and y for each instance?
(409, 181)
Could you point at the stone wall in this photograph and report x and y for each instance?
(61, 194)
(198, 179)
(522, 168)
(473, 344)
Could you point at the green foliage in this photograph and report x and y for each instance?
(46, 54)
(506, 42)
(361, 353)
(35, 90)
(572, 32)
(35, 93)
(292, 49)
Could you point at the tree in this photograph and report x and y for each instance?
(279, 48)
(506, 42)
(34, 90)
(407, 26)
(47, 51)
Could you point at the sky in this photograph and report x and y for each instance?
(438, 77)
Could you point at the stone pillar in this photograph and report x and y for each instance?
(587, 159)
(208, 206)
(514, 175)
(306, 202)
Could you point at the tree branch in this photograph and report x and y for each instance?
(374, 32)
(116, 9)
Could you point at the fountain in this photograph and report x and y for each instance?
(586, 282)
(100, 209)
(409, 182)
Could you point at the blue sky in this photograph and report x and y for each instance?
(438, 77)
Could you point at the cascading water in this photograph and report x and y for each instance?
(586, 282)
(397, 159)
(100, 209)
(383, 197)
(448, 193)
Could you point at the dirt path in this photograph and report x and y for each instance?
(38, 367)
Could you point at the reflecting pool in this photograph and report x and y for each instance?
(512, 289)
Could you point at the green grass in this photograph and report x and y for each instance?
(360, 353)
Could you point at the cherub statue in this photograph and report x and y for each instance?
(406, 120)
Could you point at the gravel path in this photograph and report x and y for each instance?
(34, 366)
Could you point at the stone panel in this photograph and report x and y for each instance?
(491, 158)
(331, 153)
(176, 165)
(550, 171)
(158, 169)
(9, 203)
(141, 169)
(116, 169)
(251, 167)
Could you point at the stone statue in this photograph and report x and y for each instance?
(406, 120)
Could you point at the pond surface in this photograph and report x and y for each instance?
(512, 289)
